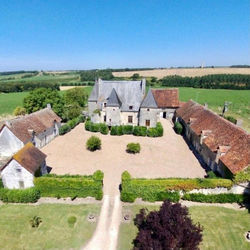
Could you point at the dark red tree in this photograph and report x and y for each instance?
(169, 228)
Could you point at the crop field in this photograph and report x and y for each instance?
(224, 228)
(160, 73)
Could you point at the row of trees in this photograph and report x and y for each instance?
(218, 81)
(26, 86)
(91, 75)
(67, 106)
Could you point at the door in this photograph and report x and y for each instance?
(147, 123)
(165, 115)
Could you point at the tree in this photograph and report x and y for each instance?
(72, 111)
(168, 228)
(39, 98)
(19, 111)
(76, 95)
(93, 143)
(135, 76)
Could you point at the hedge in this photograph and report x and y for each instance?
(157, 189)
(178, 128)
(96, 127)
(71, 124)
(214, 198)
(71, 186)
(29, 195)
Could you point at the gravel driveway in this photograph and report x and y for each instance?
(167, 156)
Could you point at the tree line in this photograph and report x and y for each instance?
(217, 81)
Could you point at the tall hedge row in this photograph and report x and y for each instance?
(159, 189)
(69, 186)
(71, 124)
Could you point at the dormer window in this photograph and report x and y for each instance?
(130, 107)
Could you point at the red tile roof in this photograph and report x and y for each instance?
(166, 98)
(38, 122)
(29, 157)
(223, 133)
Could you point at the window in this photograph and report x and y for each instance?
(130, 119)
(19, 170)
(104, 118)
(147, 123)
(130, 107)
(21, 184)
(148, 109)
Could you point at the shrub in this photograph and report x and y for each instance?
(211, 175)
(35, 221)
(169, 228)
(133, 148)
(93, 143)
(214, 198)
(128, 129)
(126, 176)
(166, 195)
(140, 131)
(72, 221)
(128, 197)
(64, 129)
(116, 130)
(178, 128)
(71, 186)
(231, 119)
(104, 129)
(88, 125)
(155, 132)
(29, 195)
(159, 129)
(19, 111)
(243, 176)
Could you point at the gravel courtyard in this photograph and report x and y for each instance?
(167, 156)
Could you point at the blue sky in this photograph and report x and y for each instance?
(83, 34)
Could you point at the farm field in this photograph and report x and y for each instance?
(224, 228)
(53, 233)
(160, 73)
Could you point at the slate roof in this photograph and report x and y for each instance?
(29, 157)
(38, 122)
(130, 93)
(161, 98)
(113, 100)
(223, 133)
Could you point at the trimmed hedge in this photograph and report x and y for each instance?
(29, 195)
(178, 128)
(96, 127)
(214, 198)
(71, 124)
(155, 132)
(133, 148)
(140, 131)
(69, 186)
(159, 189)
(93, 143)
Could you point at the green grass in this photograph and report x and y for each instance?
(53, 233)
(8, 102)
(223, 228)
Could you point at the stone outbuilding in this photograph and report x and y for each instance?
(222, 145)
(39, 128)
(159, 103)
(20, 170)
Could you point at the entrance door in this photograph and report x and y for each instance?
(147, 123)
(165, 115)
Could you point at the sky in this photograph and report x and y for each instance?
(87, 34)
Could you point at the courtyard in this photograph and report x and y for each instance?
(167, 156)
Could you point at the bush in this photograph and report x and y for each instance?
(71, 186)
(72, 221)
(93, 143)
(231, 119)
(214, 198)
(29, 195)
(211, 175)
(243, 176)
(19, 111)
(155, 132)
(159, 189)
(104, 129)
(128, 129)
(71, 124)
(133, 148)
(35, 221)
(140, 131)
(64, 129)
(178, 128)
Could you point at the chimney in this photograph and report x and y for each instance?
(48, 106)
(239, 123)
(204, 134)
(205, 105)
(221, 150)
(143, 86)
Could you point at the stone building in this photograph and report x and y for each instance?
(39, 128)
(158, 103)
(116, 102)
(223, 146)
(20, 170)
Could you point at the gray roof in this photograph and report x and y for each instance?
(113, 100)
(130, 93)
(149, 101)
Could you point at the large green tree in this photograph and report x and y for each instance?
(39, 98)
(76, 95)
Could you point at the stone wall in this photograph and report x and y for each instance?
(113, 116)
(152, 114)
(125, 115)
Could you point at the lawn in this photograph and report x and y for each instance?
(53, 233)
(224, 228)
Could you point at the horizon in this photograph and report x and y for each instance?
(76, 35)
